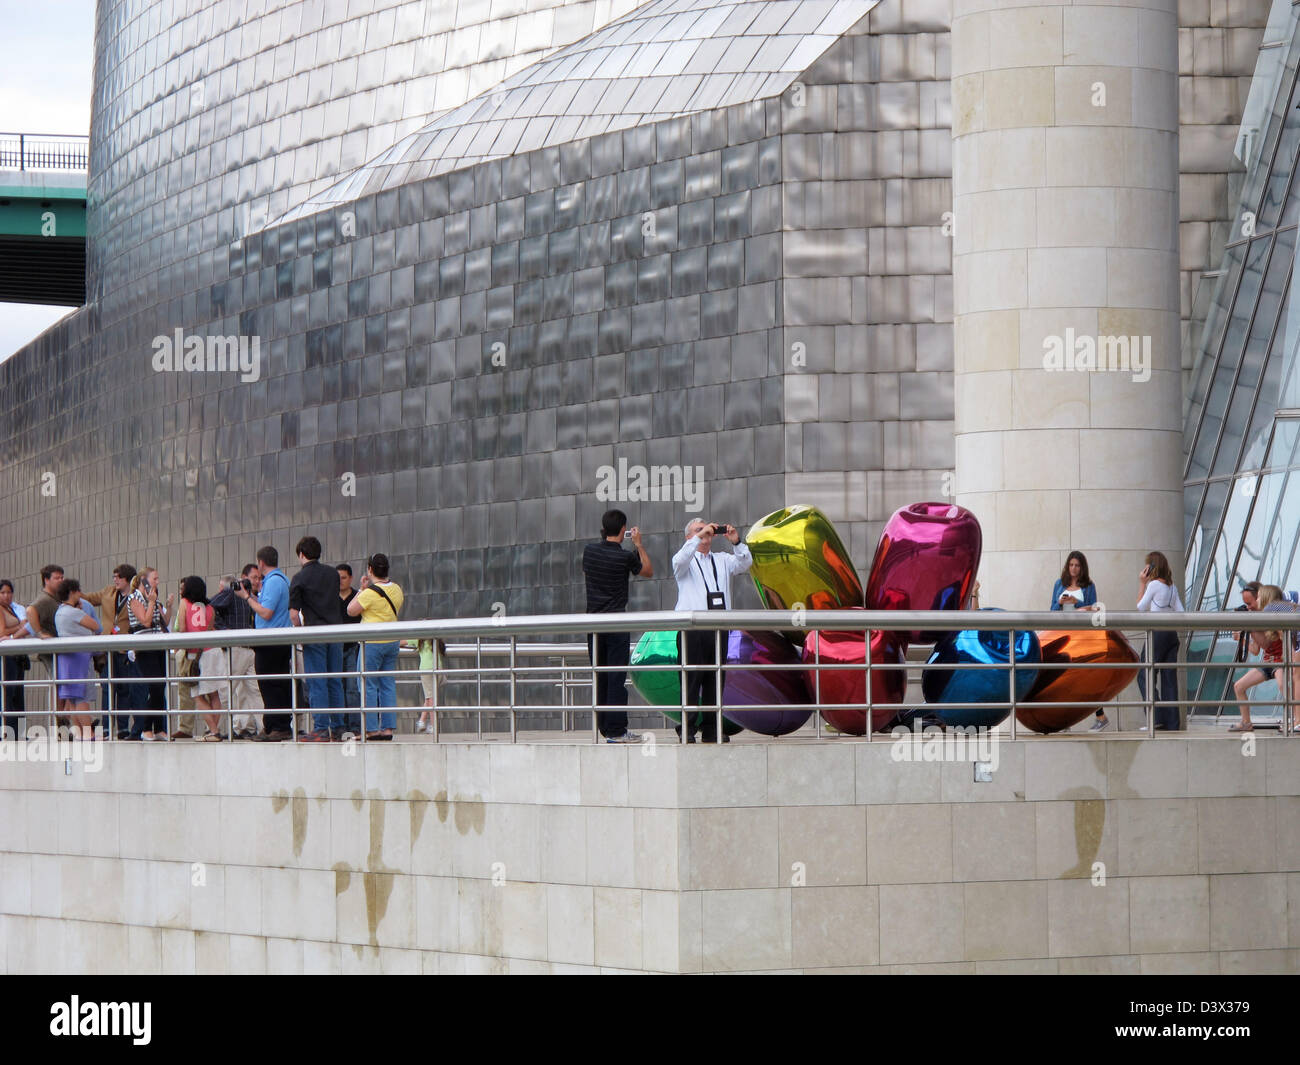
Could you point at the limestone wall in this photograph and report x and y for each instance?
(273, 859)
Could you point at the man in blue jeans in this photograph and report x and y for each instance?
(314, 600)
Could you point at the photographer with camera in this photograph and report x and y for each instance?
(229, 611)
(704, 583)
(606, 568)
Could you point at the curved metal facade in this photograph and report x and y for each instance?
(759, 290)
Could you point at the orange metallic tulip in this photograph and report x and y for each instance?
(1077, 692)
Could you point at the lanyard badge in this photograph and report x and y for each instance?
(714, 597)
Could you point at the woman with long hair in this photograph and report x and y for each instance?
(1074, 590)
(1160, 596)
(196, 616)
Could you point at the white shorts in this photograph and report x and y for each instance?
(212, 663)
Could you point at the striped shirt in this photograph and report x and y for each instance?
(607, 568)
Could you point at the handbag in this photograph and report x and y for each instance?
(187, 668)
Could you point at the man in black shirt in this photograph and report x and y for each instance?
(314, 600)
(606, 567)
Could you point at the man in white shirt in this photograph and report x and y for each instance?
(704, 583)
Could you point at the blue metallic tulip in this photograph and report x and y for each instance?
(960, 686)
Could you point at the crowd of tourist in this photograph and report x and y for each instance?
(248, 686)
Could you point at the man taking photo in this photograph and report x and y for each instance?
(704, 583)
(606, 567)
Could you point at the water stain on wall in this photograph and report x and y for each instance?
(419, 809)
(298, 814)
(470, 812)
(1089, 826)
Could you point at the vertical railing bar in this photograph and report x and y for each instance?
(681, 643)
(1148, 654)
(514, 723)
(1011, 696)
(871, 715)
(717, 687)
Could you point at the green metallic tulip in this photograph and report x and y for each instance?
(799, 558)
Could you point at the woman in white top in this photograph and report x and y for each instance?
(1160, 595)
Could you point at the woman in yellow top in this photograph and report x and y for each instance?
(380, 600)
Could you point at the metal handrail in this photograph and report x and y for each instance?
(498, 638)
(44, 151)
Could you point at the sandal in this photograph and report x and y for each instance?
(212, 737)
(1241, 728)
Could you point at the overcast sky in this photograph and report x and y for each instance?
(45, 81)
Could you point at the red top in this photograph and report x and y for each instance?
(196, 617)
(1273, 652)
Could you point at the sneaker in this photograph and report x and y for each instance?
(1100, 725)
(627, 737)
(322, 736)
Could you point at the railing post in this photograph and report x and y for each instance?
(514, 724)
(1148, 651)
(1012, 695)
(361, 687)
(871, 717)
(817, 681)
(293, 691)
(595, 685)
(681, 644)
(478, 661)
(22, 152)
(717, 688)
(437, 671)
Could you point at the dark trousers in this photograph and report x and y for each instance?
(125, 694)
(152, 704)
(13, 697)
(698, 649)
(1163, 649)
(610, 649)
(276, 694)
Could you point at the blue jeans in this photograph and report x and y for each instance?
(381, 692)
(324, 693)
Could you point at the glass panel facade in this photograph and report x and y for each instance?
(1243, 473)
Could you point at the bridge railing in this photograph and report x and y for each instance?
(43, 151)
(537, 667)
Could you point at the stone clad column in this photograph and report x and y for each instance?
(1065, 190)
